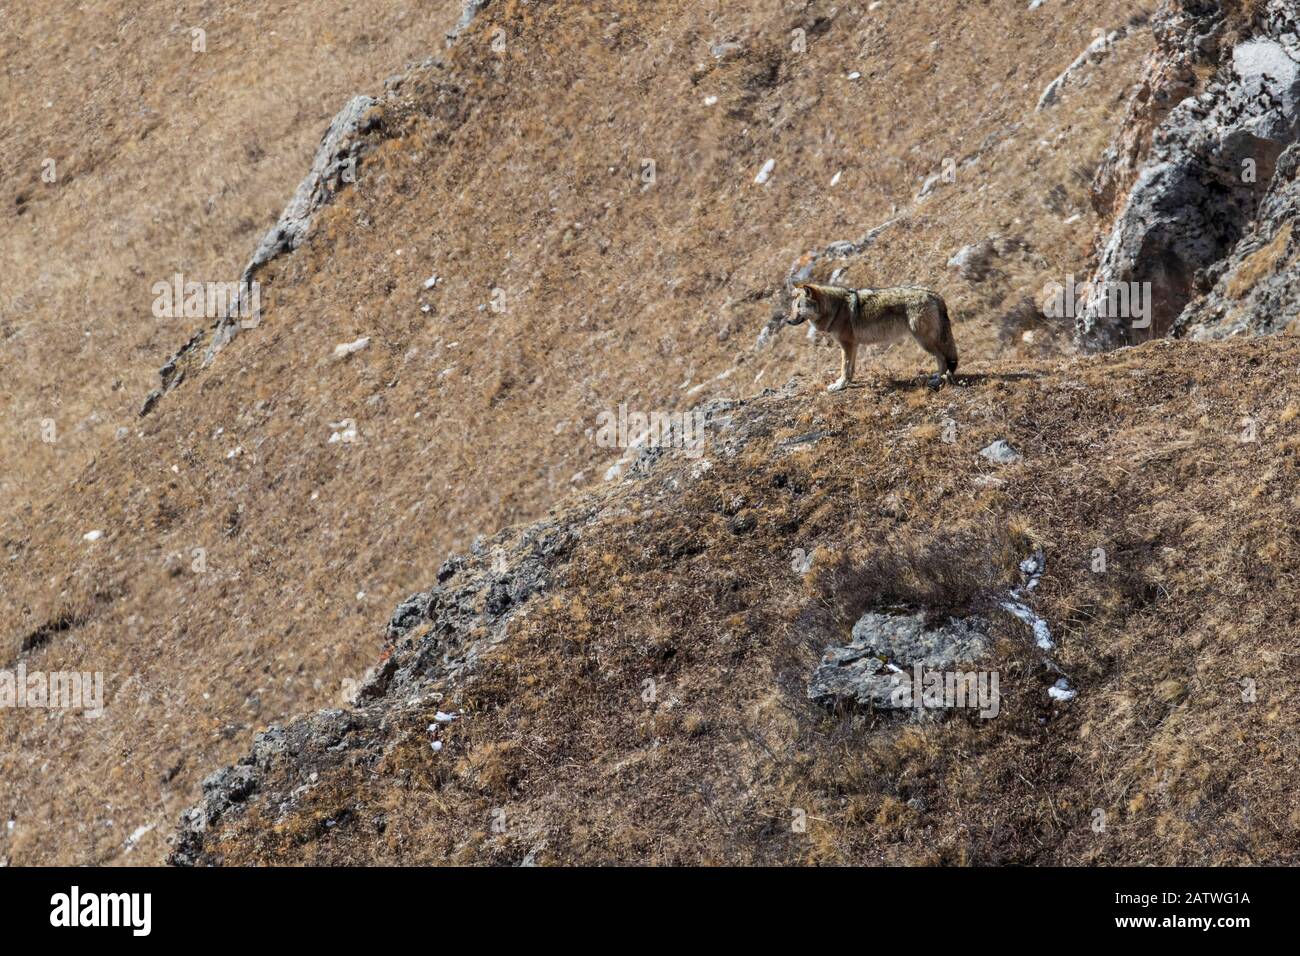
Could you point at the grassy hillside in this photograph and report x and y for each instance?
(518, 163)
(650, 703)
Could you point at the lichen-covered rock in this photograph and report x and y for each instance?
(469, 10)
(435, 635)
(436, 640)
(1257, 288)
(1210, 163)
(884, 647)
(353, 132)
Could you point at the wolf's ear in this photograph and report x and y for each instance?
(811, 291)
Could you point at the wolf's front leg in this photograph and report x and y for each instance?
(848, 354)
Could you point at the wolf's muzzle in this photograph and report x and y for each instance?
(799, 320)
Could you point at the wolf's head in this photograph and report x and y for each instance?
(805, 304)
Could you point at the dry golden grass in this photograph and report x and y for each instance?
(1262, 262)
(1178, 749)
(516, 170)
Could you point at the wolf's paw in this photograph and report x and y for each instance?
(837, 386)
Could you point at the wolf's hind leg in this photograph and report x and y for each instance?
(943, 364)
(936, 381)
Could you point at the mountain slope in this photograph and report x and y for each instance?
(628, 680)
(247, 562)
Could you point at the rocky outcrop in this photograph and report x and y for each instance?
(434, 637)
(1210, 163)
(869, 670)
(1186, 37)
(314, 741)
(333, 167)
(1095, 52)
(353, 132)
(1256, 289)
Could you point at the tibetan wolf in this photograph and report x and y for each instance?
(856, 317)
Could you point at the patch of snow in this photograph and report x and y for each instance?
(344, 431)
(1042, 636)
(1031, 569)
(1061, 690)
(135, 836)
(344, 349)
(766, 172)
(93, 535)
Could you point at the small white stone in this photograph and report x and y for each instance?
(93, 535)
(1000, 453)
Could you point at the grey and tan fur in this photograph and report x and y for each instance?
(855, 317)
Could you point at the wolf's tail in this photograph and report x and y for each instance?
(947, 343)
